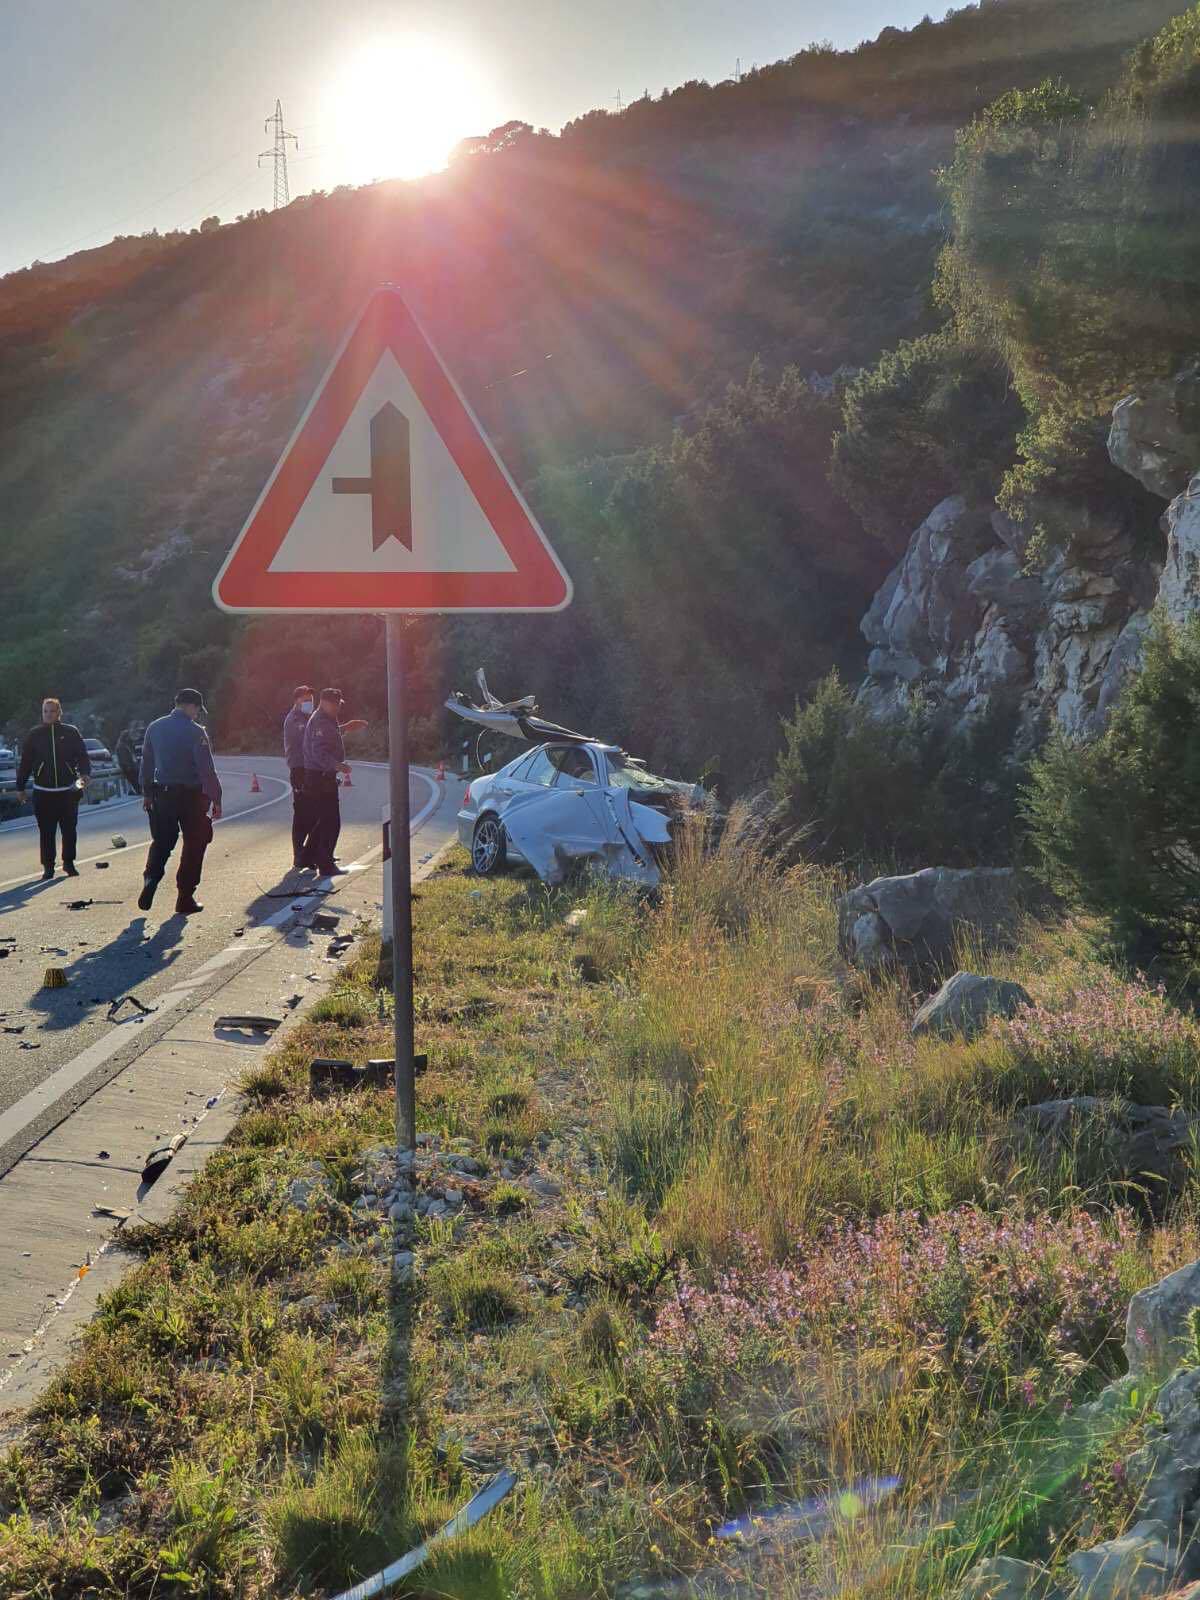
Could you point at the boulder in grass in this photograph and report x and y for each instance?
(965, 1003)
(1157, 1329)
(1149, 1147)
(917, 919)
(1005, 1578)
(1139, 1564)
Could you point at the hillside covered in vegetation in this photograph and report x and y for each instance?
(654, 314)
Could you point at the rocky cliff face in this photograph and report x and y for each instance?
(965, 623)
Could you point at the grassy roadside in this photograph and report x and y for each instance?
(700, 1228)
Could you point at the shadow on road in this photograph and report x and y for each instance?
(102, 975)
(269, 902)
(16, 899)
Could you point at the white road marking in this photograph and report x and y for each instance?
(236, 816)
(101, 810)
(30, 1107)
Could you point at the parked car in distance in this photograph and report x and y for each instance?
(101, 756)
(8, 767)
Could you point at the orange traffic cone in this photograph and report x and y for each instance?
(347, 781)
(255, 786)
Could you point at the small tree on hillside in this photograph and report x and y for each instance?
(1115, 824)
(896, 792)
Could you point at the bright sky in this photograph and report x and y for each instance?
(118, 116)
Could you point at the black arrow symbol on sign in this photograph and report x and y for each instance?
(390, 483)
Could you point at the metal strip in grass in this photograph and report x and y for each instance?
(477, 1507)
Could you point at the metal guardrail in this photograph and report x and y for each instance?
(101, 786)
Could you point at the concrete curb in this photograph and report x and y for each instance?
(59, 1338)
(60, 1333)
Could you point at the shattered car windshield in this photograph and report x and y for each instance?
(626, 773)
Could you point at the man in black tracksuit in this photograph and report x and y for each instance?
(55, 757)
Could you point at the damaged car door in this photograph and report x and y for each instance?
(580, 820)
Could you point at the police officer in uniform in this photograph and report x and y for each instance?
(294, 724)
(324, 760)
(128, 757)
(179, 786)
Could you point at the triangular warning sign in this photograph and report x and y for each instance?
(389, 496)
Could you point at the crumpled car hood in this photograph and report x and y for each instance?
(559, 829)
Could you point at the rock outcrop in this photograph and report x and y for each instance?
(962, 624)
(1139, 1564)
(1158, 1333)
(965, 1004)
(1155, 434)
(918, 919)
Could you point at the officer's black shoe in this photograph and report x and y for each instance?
(71, 870)
(333, 871)
(47, 874)
(146, 898)
(185, 906)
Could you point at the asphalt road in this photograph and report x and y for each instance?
(110, 948)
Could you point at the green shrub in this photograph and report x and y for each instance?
(1115, 825)
(934, 417)
(901, 791)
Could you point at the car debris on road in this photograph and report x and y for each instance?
(114, 1007)
(573, 801)
(161, 1156)
(248, 1024)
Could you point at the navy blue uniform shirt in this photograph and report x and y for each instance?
(323, 747)
(294, 725)
(176, 750)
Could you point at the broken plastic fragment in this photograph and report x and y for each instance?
(249, 1024)
(128, 999)
(160, 1157)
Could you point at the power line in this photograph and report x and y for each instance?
(279, 155)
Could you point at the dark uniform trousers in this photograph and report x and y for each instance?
(54, 809)
(326, 815)
(176, 808)
(302, 815)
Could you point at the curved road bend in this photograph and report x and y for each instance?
(110, 948)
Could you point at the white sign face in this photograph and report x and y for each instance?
(450, 533)
(389, 496)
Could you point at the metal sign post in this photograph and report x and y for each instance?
(389, 498)
(400, 889)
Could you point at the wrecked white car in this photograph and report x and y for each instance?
(572, 801)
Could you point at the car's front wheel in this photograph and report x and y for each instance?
(488, 846)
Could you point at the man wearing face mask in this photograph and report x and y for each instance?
(55, 757)
(294, 724)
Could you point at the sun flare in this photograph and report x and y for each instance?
(399, 105)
